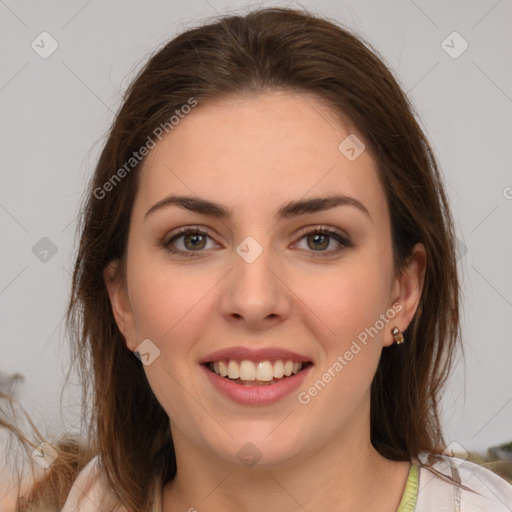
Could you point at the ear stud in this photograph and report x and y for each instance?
(397, 335)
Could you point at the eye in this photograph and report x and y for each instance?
(320, 238)
(192, 241)
(189, 240)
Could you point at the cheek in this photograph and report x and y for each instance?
(173, 309)
(169, 309)
(349, 298)
(350, 303)
(160, 296)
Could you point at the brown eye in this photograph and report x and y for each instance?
(321, 238)
(318, 241)
(194, 241)
(187, 242)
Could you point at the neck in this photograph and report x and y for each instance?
(341, 476)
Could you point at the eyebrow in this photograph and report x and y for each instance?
(290, 209)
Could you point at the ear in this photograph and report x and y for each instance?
(407, 290)
(119, 300)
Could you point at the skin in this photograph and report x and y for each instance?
(253, 154)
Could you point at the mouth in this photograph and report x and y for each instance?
(256, 373)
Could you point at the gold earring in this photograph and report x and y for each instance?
(397, 335)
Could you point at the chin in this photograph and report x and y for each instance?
(255, 448)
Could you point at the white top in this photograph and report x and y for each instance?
(491, 492)
(435, 494)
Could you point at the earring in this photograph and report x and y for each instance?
(397, 335)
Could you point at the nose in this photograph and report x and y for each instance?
(255, 293)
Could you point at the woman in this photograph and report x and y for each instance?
(266, 292)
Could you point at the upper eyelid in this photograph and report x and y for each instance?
(321, 228)
(305, 229)
(187, 230)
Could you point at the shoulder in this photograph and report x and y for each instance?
(482, 491)
(89, 493)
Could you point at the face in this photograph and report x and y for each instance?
(262, 283)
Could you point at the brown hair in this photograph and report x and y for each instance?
(267, 49)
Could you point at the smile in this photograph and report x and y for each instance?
(254, 373)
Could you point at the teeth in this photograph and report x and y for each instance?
(263, 371)
(278, 369)
(247, 370)
(223, 369)
(233, 370)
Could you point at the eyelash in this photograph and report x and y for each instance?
(318, 230)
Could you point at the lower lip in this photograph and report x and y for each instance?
(259, 394)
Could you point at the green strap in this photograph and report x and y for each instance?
(408, 501)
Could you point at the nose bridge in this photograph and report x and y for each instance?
(252, 262)
(254, 288)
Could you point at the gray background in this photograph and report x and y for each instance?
(56, 111)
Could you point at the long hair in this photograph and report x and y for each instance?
(267, 49)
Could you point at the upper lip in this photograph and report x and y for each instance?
(250, 354)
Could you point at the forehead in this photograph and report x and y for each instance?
(259, 150)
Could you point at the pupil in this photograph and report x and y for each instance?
(195, 240)
(317, 238)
